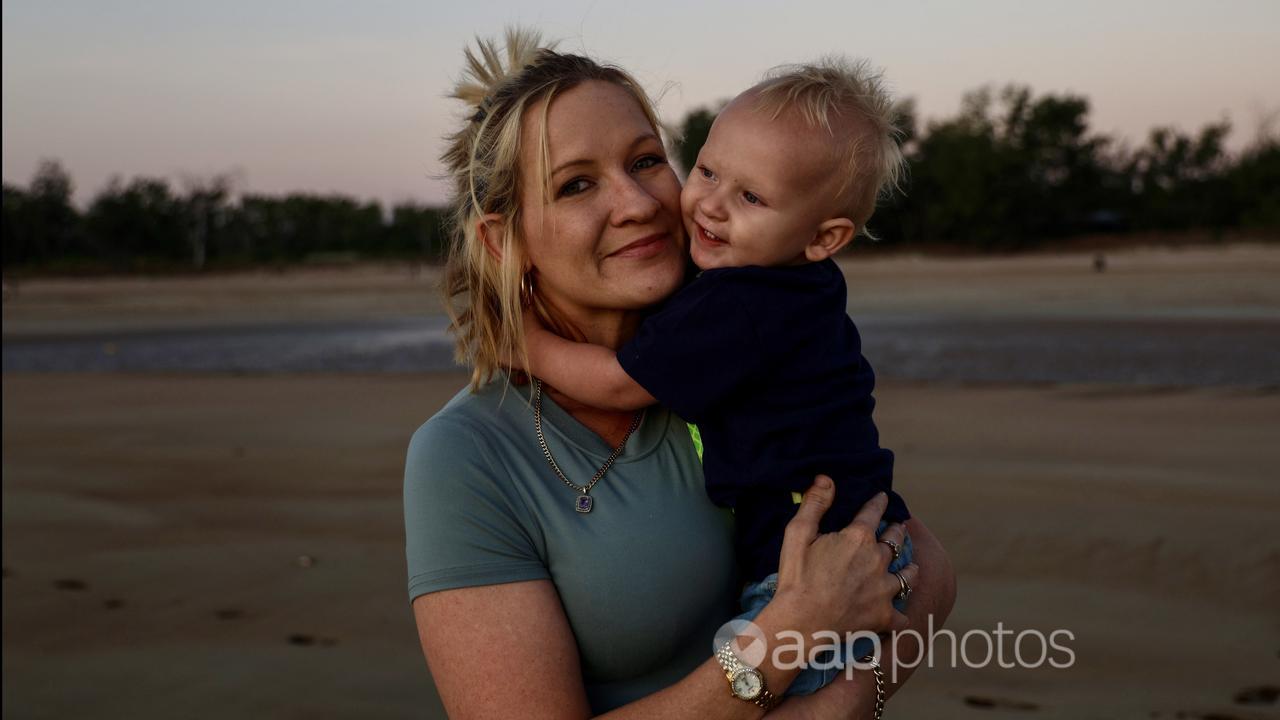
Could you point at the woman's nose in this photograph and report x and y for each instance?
(634, 203)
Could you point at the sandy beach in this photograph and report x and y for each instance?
(214, 545)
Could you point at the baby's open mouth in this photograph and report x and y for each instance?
(709, 237)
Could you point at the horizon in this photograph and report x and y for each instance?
(332, 98)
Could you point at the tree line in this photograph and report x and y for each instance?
(1010, 171)
(148, 225)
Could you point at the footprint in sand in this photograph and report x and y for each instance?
(307, 640)
(71, 584)
(990, 703)
(1258, 695)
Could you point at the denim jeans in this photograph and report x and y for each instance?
(758, 594)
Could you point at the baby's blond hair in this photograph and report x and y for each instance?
(849, 100)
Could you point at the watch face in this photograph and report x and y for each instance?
(747, 684)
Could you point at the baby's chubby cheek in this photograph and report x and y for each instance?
(687, 202)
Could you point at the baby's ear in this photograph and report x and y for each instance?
(831, 236)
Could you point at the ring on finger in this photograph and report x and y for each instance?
(905, 591)
(895, 547)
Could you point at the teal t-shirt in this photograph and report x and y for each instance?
(645, 578)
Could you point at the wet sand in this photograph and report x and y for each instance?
(153, 528)
(202, 545)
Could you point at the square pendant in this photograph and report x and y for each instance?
(584, 504)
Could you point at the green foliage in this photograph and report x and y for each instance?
(41, 220)
(693, 135)
(143, 219)
(145, 225)
(1255, 185)
(1003, 174)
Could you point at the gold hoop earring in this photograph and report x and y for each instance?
(526, 289)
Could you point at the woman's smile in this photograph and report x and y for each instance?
(645, 247)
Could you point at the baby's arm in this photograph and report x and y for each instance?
(587, 373)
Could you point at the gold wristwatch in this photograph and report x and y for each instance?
(745, 683)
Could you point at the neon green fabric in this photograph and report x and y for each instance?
(696, 436)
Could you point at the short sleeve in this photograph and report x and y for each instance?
(464, 523)
(699, 348)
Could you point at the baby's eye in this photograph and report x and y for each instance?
(573, 187)
(706, 172)
(751, 198)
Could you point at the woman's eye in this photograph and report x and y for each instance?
(573, 187)
(751, 198)
(648, 161)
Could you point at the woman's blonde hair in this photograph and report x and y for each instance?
(850, 100)
(500, 85)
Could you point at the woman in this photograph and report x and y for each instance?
(565, 560)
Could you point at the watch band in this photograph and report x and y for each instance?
(731, 665)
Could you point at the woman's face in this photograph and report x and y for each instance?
(610, 237)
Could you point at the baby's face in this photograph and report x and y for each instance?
(759, 190)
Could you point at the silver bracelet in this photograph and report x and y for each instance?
(879, 675)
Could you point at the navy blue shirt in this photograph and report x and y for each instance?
(768, 365)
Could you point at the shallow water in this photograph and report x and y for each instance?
(1174, 351)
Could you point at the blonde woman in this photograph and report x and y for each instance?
(564, 560)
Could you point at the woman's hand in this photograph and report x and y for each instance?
(853, 696)
(839, 582)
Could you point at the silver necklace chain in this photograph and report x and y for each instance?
(584, 500)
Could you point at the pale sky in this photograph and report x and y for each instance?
(348, 97)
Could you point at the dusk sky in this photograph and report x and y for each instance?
(348, 97)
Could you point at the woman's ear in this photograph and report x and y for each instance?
(489, 229)
(831, 236)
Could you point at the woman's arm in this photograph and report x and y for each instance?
(590, 374)
(494, 650)
(932, 596)
(507, 651)
(501, 650)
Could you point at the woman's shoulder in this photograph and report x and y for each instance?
(467, 521)
(475, 414)
(472, 426)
